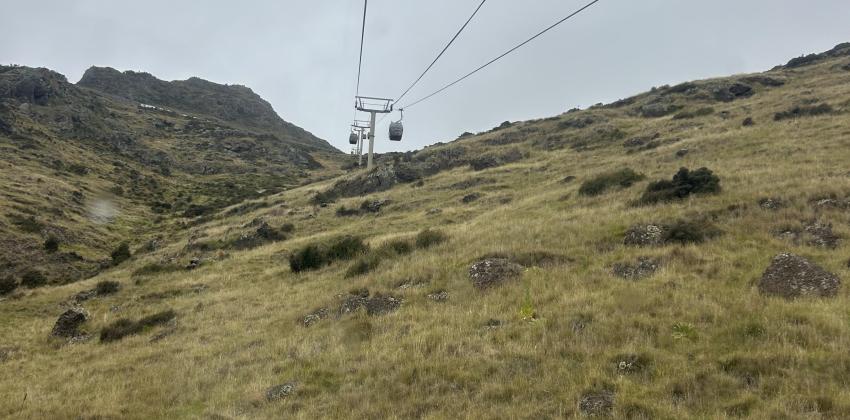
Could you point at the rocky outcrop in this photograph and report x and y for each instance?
(492, 272)
(791, 276)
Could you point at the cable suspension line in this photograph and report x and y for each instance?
(443, 51)
(501, 56)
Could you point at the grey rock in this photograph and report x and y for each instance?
(791, 276)
(493, 272)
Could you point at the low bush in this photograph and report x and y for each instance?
(159, 318)
(428, 238)
(121, 253)
(33, 279)
(363, 265)
(345, 248)
(308, 258)
(398, 247)
(689, 232)
(107, 287)
(694, 114)
(51, 244)
(343, 211)
(803, 111)
(683, 184)
(155, 268)
(7, 285)
(124, 327)
(622, 178)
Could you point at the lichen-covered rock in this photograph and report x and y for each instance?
(597, 403)
(381, 304)
(278, 392)
(772, 203)
(315, 316)
(493, 272)
(68, 324)
(791, 276)
(645, 235)
(644, 267)
(821, 235)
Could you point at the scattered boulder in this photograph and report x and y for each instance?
(381, 304)
(831, 204)
(493, 272)
(642, 268)
(470, 197)
(821, 235)
(567, 179)
(764, 80)
(682, 152)
(748, 122)
(315, 316)
(68, 324)
(193, 263)
(374, 206)
(772, 203)
(627, 364)
(493, 324)
(281, 391)
(84, 296)
(791, 276)
(438, 296)
(658, 110)
(597, 403)
(433, 212)
(353, 301)
(645, 235)
(732, 92)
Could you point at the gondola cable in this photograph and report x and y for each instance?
(501, 56)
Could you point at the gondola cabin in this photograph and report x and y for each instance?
(396, 130)
(352, 139)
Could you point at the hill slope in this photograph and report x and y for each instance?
(568, 281)
(89, 169)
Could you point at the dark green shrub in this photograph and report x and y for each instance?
(51, 244)
(694, 114)
(33, 279)
(622, 178)
(118, 330)
(343, 211)
(287, 228)
(121, 254)
(690, 232)
(159, 318)
(398, 247)
(683, 184)
(803, 111)
(7, 285)
(363, 265)
(124, 327)
(428, 238)
(345, 248)
(107, 287)
(154, 268)
(308, 258)
(26, 224)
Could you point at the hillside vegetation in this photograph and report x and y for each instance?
(612, 261)
(85, 168)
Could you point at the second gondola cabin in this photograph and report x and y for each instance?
(352, 139)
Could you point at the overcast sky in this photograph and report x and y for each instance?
(302, 55)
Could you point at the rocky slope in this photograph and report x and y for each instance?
(89, 169)
(677, 254)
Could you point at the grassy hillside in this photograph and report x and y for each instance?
(585, 321)
(89, 170)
